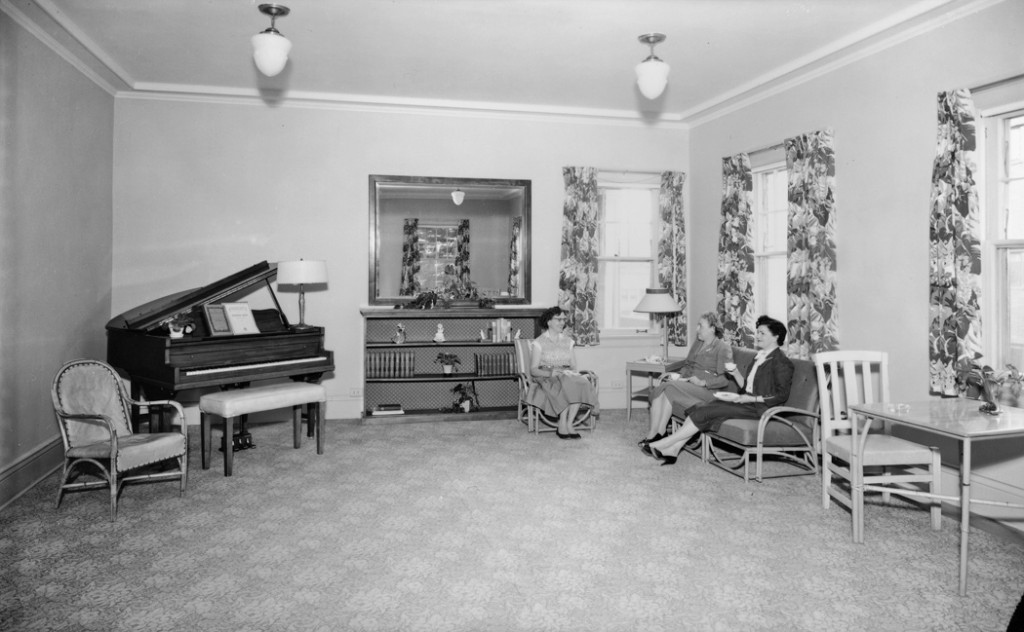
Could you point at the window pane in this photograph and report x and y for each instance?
(626, 229)
(770, 286)
(1015, 139)
(622, 284)
(1012, 324)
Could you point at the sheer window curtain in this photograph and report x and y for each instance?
(411, 255)
(736, 253)
(672, 250)
(577, 282)
(811, 245)
(954, 272)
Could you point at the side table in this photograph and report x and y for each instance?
(652, 370)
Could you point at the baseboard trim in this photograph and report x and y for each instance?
(29, 470)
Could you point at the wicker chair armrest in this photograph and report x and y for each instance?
(107, 421)
(779, 414)
(166, 402)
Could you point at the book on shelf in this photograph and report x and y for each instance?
(380, 412)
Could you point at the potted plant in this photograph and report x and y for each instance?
(465, 398)
(179, 324)
(447, 361)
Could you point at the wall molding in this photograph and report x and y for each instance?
(29, 470)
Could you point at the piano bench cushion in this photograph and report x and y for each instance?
(251, 400)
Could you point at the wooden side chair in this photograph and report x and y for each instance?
(93, 410)
(858, 459)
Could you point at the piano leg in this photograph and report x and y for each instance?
(297, 426)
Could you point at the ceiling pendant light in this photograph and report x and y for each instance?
(652, 73)
(270, 48)
(457, 196)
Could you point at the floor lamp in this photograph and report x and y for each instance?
(659, 301)
(301, 273)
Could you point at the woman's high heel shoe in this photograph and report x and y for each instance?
(665, 460)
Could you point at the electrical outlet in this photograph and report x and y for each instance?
(618, 384)
(355, 392)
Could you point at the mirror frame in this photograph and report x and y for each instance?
(446, 184)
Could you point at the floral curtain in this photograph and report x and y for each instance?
(411, 255)
(672, 250)
(514, 258)
(577, 282)
(954, 273)
(462, 254)
(811, 257)
(735, 252)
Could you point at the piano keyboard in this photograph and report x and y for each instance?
(248, 367)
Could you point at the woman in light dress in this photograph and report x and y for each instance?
(561, 390)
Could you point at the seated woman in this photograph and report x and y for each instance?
(561, 391)
(767, 384)
(702, 373)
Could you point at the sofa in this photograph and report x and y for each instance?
(788, 433)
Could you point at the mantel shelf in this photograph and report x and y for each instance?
(446, 343)
(445, 377)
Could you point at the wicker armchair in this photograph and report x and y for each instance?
(93, 410)
(535, 419)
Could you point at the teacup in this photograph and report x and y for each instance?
(730, 366)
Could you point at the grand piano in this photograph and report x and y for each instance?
(159, 366)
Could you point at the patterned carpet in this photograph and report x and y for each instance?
(479, 526)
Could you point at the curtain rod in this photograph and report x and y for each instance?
(762, 150)
(997, 83)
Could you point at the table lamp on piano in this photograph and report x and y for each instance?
(302, 273)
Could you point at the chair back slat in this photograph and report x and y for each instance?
(94, 388)
(523, 357)
(847, 378)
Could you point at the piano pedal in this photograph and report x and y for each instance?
(241, 441)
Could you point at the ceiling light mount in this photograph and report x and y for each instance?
(652, 73)
(270, 48)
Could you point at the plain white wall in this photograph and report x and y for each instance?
(883, 112)
(56, 167)
(203, 189)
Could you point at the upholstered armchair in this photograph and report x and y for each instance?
(93, 410)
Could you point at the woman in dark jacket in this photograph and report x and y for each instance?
(767, 384)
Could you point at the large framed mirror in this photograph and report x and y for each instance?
(422, 237)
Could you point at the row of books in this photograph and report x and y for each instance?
(396, 364)
(390, 364)
(495, 363)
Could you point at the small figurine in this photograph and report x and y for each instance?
(439, 336)
(519, 333)
(483, 336)
(399, 337)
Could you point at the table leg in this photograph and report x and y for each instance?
(965, 509)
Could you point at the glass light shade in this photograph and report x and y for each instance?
(301, 272)
(457, 196)
(270, 52)
(652, 77)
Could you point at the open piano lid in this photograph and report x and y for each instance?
(149, 316)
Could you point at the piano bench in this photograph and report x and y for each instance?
(231, 404)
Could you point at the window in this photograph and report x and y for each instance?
(628, 241)
(770, 214)
(438, 250)
(1004, 230)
